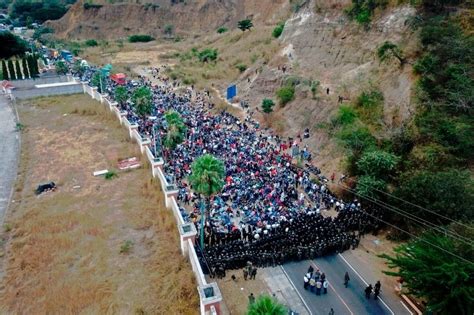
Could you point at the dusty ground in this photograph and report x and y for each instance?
(63, 248)
(236, 292)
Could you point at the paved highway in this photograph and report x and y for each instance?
(343, 300)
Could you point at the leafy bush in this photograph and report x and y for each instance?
(357, 139)
(377, 163)
(140, 38)
(110, 175)
(369, 99)
(207, 55)
(91, 43)
(222, 29)
(369, 186)
(278, 30)
(285, 95)
(244, 25)
(449, 192)
(267, 105)
(241, 67)
(362, 10)
(126, 247)
(345, 116)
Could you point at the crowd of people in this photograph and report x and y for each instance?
(270, 208)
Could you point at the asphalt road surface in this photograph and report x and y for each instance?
(9, 147)
(343, 300)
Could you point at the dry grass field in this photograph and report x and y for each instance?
(94, 246)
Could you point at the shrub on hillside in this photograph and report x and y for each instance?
(278, 29)
(91, 43)
(140, 38)
(207, 55)
(222, 29)
(285, 95)
(241, 67)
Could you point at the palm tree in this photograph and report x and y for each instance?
(207, 178)
(176, 130)
(266, 305)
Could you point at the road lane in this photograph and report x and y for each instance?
(318, 305)
(343, 300)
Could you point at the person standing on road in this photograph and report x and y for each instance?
(325, 286)
(306, 280)
(312, 283)
(346, 279)
(331, 312)
(368, 291)
(377, 287)
(319, 284)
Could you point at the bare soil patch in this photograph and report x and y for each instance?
(93, 246)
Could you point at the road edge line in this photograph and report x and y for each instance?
(350, 266)
(297, 292)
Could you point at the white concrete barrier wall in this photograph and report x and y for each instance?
(170, 201)
(201, 279)
(176, 212)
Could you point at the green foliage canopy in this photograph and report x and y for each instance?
(244, 25)
(142, 100)
(278, 30)
(285, 94)
(430, 273)
(267, 105)
(61, 67)
(266, 305)
(121, 94)
(207, 175)
(12, 45)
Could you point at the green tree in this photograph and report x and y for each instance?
(78, 68)
(61, 67)
(370, 186)
(12, 45)
(377, 163)
(244, 25)
(278, 30)
(11, 70)
(357, 139)
(121, 94)
(96, 81)
(267, 105)
(33, 65)
(431, 273)
(5, 71)
(285, 94)
(450, 193)
(389, 50)
(24, 65)
(18, 70)
(266, 305)
(207, 178)
(142, 101)
(176, 130)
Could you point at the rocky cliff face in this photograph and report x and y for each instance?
(108, 21)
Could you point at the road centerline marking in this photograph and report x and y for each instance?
(340, 298)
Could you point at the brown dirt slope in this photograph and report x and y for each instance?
(66, 250)
(123, 19)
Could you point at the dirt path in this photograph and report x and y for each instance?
(9, 146)
(93, 246)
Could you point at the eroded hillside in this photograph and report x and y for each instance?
(115, 20)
